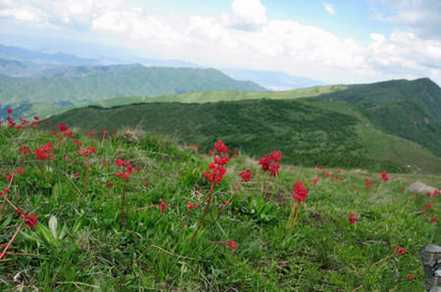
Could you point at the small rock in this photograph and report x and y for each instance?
(420, 188)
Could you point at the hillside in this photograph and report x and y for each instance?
(127, 213)
(409, 109)
(215, 96)
(307, 131)
(95, 83)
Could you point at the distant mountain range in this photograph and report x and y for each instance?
(32, 62)
(271, 79)
(92, 83)
(393, 124)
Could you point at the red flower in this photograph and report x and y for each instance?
(271, 163)
(30, 219)
(410, 277)
(20, 170)
(384, 176)
(434, 193)
(123, 175)
(265, 162)
(246, 175)
(62, 127)
(399, 250)
(128, 169)
(434, 220)
(315, 180)
(276, 155)
(221, 160)
(215, 174)
(300, 192)
(274, 168)
(44, 152)
(162, 206)
(220, 147)
(232, 244)
(120, 162)
(191, 206)
(9, 178)
(368, 183)
(4, 192)
(9, 110)
(353, 218)
(86, 152)
(24, 150)
(428, 206)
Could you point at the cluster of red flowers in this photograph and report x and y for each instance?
(11, 123)
(434, 193)
(246, 175)
(128, 169)
(65, 130)
(30, 219)
(24, 150)
(271, 163)
(216, 169)
(44, 152)
(87, 151)
(4, 192)
(18, 171)
(299, 192)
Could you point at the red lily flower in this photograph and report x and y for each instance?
(384, 175)
(399, 250)
(30, 219)
(300, 192)
(353, 218)
(232, 244)
(44, 152)
(162, 206)
(246, 175)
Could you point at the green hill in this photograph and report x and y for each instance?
(88, 84)
(72, 224)
(308, 131)
(409, 109)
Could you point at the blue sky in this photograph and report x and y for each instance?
(338, 41)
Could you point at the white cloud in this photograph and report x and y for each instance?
(245, 37)
(329, 8)
(420, 16)
(247, 14)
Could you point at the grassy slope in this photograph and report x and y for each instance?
(203, 97)
(308, 131)
(154, 251)
(409, 109)
(383, 146)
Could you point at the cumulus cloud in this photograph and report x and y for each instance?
(329, 8)
(419, 16)
(247, 14)
(242, 37)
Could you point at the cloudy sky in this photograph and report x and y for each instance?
(337, 41)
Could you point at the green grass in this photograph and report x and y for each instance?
(309, 131)
(154, 251)
(216, 96)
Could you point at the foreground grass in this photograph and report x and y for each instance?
(91, 248)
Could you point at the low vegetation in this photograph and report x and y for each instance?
(128, 211)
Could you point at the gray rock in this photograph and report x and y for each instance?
(420, 188)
